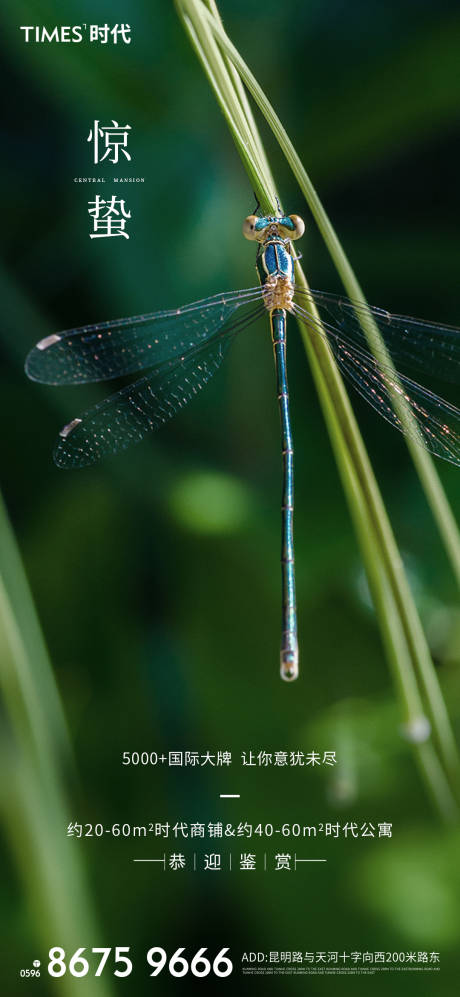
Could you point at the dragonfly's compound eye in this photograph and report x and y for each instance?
(299, 227)
(249, 228)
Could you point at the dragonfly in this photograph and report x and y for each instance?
(181, 349)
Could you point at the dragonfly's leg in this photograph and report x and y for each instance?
(257, 203)
(258, 256)
(289, 656)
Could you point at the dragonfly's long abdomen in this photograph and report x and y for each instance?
(289, 656)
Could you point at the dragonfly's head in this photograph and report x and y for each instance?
(278, 226)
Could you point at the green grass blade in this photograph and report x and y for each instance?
(26, 675)
(401, 628)
(35, 751)
(423, 462)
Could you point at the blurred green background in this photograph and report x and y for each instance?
(156, 575)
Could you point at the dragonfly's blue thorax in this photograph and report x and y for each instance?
(275, 260)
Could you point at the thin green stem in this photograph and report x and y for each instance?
(414, 632)
(388, 550)
(402, 632)
(246, 107)
(219, 77)
(429, 478)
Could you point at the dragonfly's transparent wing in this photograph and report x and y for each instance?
(113, 349)
(126, 416)
(436, 421)
(414, 343)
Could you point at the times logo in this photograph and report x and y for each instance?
(62, 33)
(65, 33)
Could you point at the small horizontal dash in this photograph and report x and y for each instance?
(229, 796)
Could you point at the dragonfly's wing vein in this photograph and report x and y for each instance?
(425, 346)
(112, 349)
(435, 420)
(126, 416)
